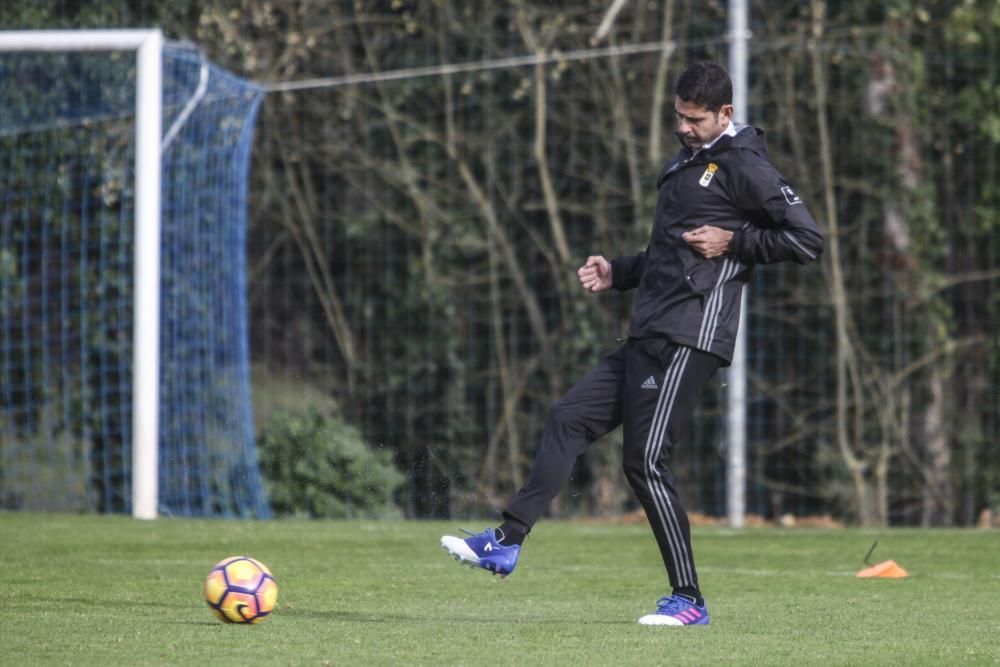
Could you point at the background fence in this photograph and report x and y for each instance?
(413, 243)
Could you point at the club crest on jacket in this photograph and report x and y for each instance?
(706, 178)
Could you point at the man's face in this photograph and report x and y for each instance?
(699, 126)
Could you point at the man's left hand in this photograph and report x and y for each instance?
(709, 241)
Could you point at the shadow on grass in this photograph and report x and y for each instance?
(210, 621)
(62, 602)
(365, 617)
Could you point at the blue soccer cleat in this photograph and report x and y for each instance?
(677, 610)
(483, 550)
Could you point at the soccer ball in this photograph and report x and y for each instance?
(241, 590)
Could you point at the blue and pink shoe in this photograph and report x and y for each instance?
(677, 610)
(483, 550)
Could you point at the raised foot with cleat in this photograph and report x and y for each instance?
(482, 550)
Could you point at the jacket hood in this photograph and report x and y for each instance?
(751, 138)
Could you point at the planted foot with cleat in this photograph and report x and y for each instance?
(483, 550)
(677, 610)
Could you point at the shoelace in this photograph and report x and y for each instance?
(488, 532)
(670, 605)
(469, 532)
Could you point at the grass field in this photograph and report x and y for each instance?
(111, 590)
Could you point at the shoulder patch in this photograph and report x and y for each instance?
(790, 196)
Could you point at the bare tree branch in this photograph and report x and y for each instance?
(539, 149)
(660, 93)
(607, 22)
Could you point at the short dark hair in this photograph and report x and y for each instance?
(705, 84)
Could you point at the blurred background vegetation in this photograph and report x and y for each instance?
(413, 243)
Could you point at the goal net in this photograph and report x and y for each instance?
(71, 270)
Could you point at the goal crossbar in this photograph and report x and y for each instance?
(148, 45)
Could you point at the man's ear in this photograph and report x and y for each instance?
(726, 111)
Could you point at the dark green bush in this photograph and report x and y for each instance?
(315, 465)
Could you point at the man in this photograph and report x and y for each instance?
(722, 209)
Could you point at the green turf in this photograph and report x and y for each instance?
(111, 590)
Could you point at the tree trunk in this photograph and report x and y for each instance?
(848, 391)
(939, 500)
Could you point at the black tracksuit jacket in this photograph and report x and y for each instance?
(694, 301)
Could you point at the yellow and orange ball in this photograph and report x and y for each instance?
(241, 589)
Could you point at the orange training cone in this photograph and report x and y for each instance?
(887, 569)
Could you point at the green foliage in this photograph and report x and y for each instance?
(59, 14)
(45, 472)
(318, 466)
(275, 392)
(360, 207)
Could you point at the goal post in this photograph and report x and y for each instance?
(124, 356)
(146, 351)
(148, 46)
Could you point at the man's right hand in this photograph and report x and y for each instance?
(595, 275)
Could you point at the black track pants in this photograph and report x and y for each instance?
(651, 387)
